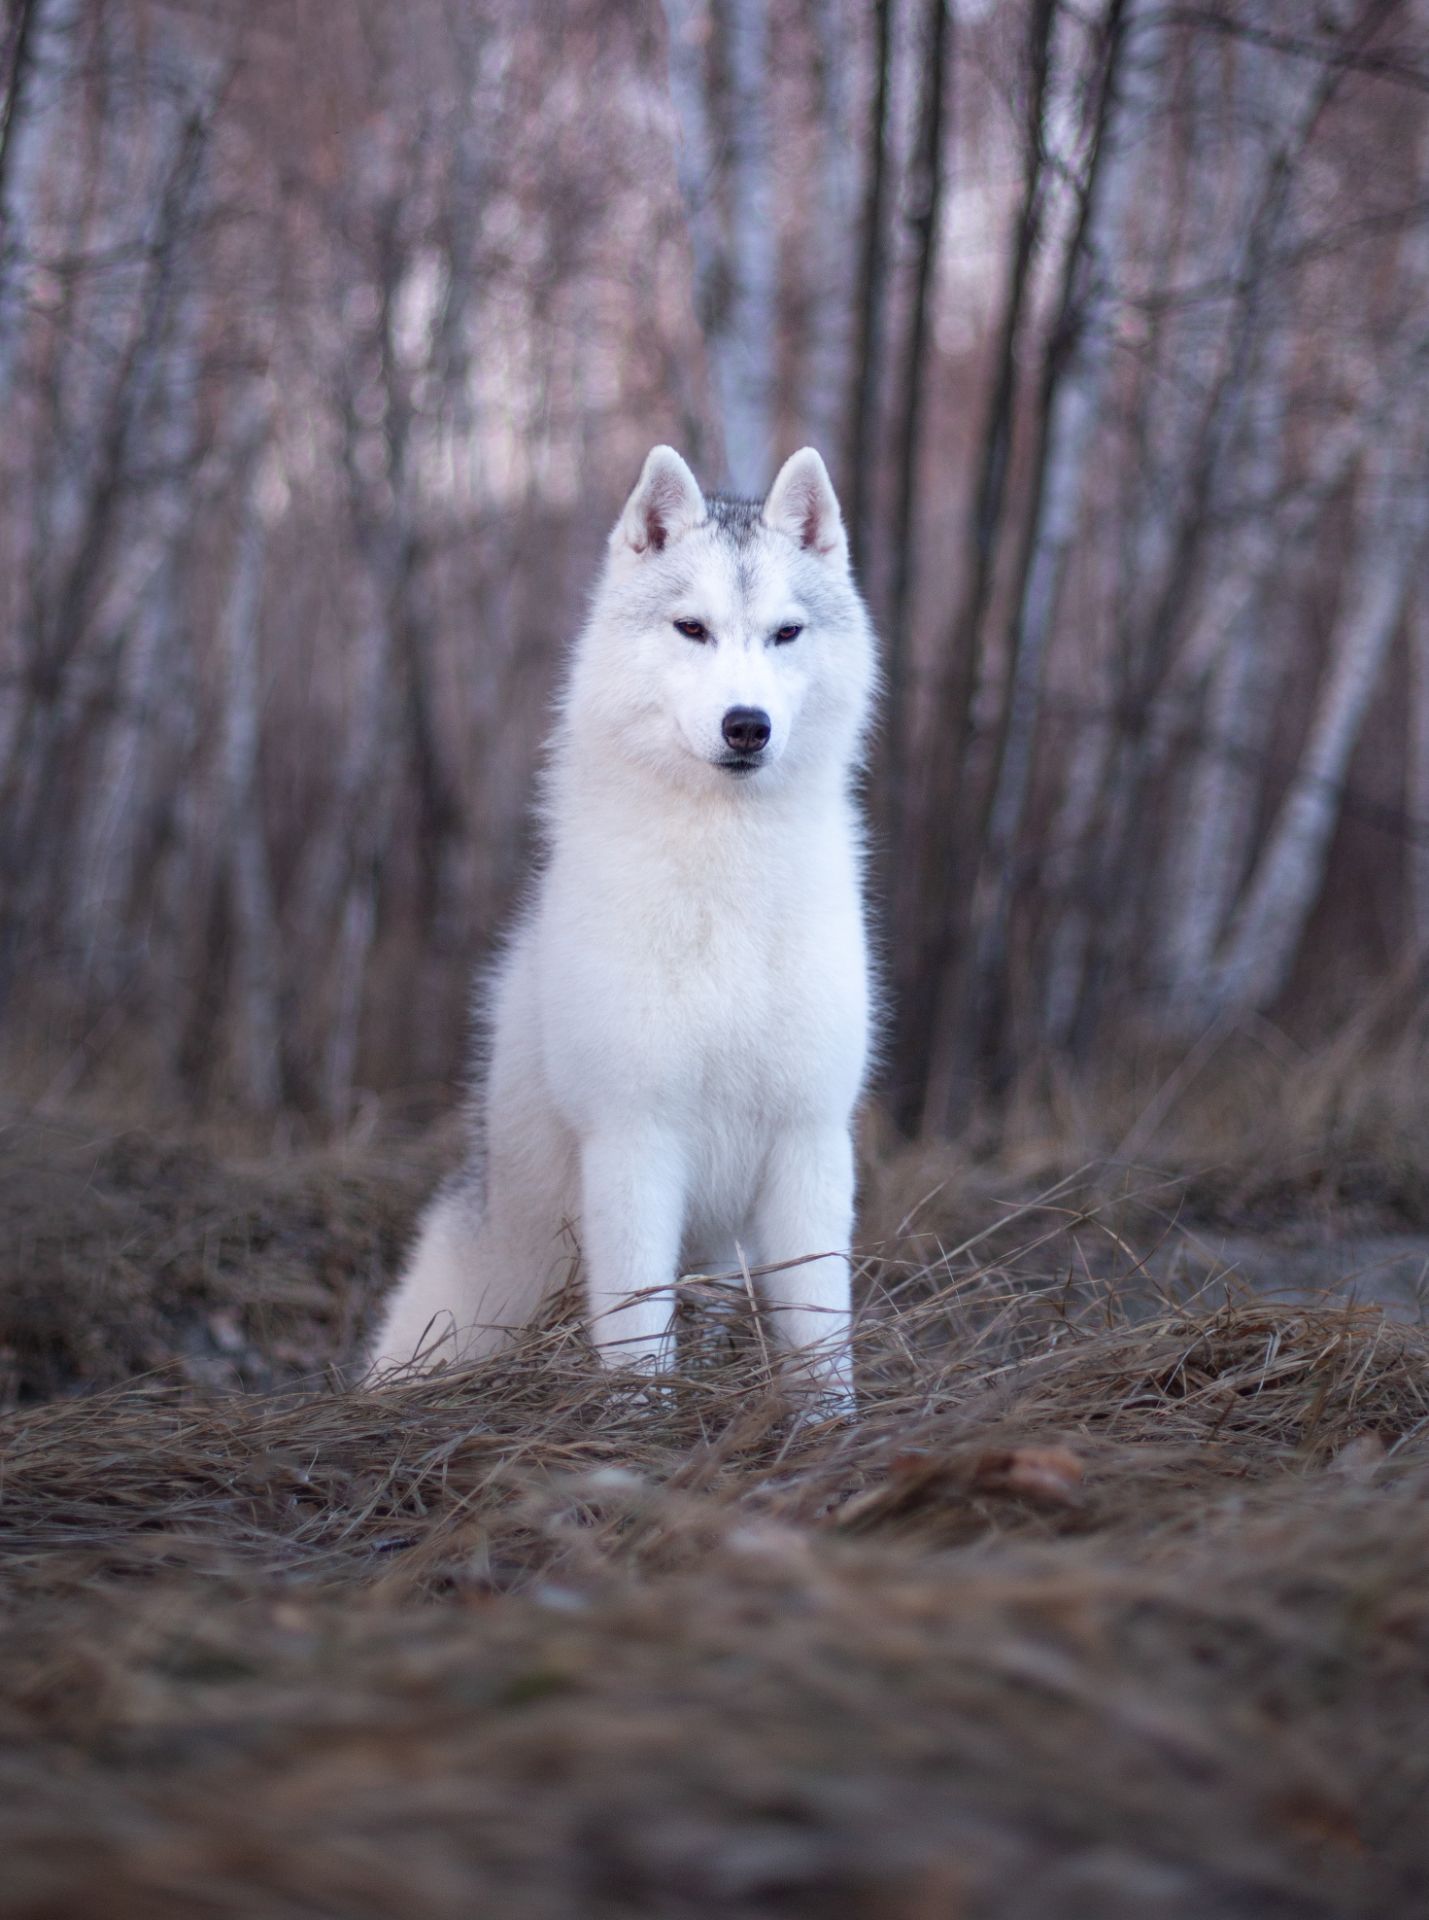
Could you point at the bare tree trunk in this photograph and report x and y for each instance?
(1208, 858)
(1077, 821)
(257, 1036)
(392, 695)
(173, 841)
(1077, 358)
(73, 593)
(357, 935)
(989, 493)
(35, 56)
(1300, 97)
(1265, 935)
(1230, 737)
(142, 598)
(925, 205)
(1260, 947)
(689, 26)
(736, 273)
(1084, 815)
(928, 888)
(1418, 775)
(860, 449)
(1221, 803)
(1260, 549)
(14, 72)
(356, 855)
(747, 364)
(1071, 937)
(1417, 780)
(344, 871)
(1295, 97)
(831, 250)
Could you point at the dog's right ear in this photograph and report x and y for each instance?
(666, 503)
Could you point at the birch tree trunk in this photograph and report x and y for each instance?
(37, 55)
(383, 382)
(257, 1031)
(925, 206)
(368, 787)
(1262, 546)
(928, 889)
(1225, 791)
(1292, 96)
(989, 494)
(21, 18)
(144, 599)
(1078, 819)
(345, 867)
(1163, 396)
(1417, 778)
(831, 251)
(746, 367)
(71, 646)
(1255, 963)
(1208, 860)
(736, 269)
(862, 431)
(689, 25)
(1077, 359)
(1417, 783)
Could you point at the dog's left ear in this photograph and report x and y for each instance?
(803, 504)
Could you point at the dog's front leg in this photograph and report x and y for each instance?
(632, 1213)
(806, 1207)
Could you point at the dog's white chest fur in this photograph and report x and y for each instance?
(709, 975)
(728, 966)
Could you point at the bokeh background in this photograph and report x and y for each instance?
(331, 339)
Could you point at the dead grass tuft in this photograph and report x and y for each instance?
(125, 1252)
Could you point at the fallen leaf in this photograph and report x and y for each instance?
(1358, 1458)
(1052, 1475)
(916, 1482)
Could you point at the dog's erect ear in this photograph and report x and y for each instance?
(802, 503)
(666, 503)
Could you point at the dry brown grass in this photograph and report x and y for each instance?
(1258, 1127)
(1111, 1604)
(125, 1251)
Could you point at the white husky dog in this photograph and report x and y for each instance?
(680, 1026)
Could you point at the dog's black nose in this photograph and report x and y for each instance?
(746, 729)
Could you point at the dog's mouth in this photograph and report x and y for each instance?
(739, 764)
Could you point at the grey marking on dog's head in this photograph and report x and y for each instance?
(736, 519)
(737, 522)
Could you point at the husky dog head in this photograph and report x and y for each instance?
(727, 645)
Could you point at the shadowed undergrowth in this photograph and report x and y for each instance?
(1114, 1602)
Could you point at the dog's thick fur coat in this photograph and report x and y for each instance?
(679, 1029)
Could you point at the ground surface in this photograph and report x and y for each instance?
(1115, 1601)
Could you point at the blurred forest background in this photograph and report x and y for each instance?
(331, 339)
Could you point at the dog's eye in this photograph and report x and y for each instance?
(786, 634)
(692, 629)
